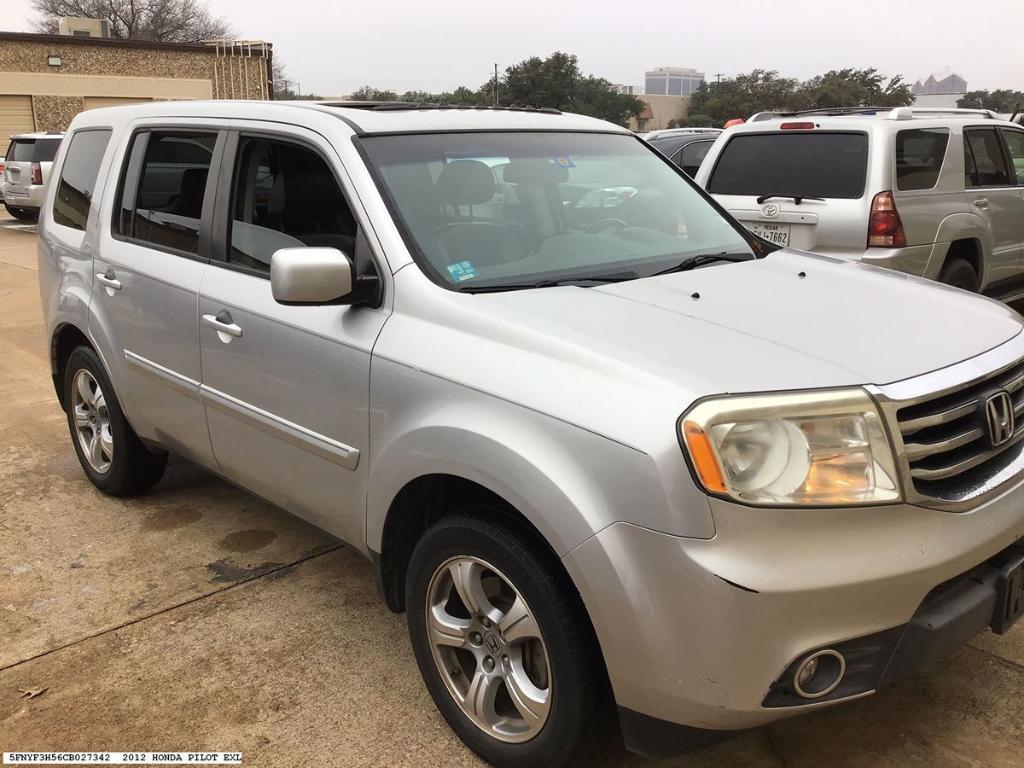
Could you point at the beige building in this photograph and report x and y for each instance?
(659, 110)
(45, 80)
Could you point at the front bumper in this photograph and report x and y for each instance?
(699, 633)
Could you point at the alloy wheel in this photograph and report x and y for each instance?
(488, 649)
(92, 421)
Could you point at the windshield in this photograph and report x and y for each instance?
(488, 210)
(793, 163)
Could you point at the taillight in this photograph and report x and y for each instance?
(796, 126)
(885, 230)
(37, 173)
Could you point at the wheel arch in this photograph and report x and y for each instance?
(420, 503)
(970, 250)
(66, 337)
(961, 233)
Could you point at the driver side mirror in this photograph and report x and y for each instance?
(311, 276)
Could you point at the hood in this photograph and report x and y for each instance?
(839, 321)
(789, 321)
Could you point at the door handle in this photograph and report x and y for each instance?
(109, 279)
(981, 203)
(223, 324)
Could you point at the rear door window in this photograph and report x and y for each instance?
(166, 206)
(789, 163)
(985, 162)
(78, 178)
(919, 156)
(1015, 148)
(692, 155)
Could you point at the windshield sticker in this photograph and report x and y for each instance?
(464, 270)
(563, 162)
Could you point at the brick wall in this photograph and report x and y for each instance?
(54, 113)
(57, 92)
(247, 74)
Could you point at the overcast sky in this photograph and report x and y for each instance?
(334, 46)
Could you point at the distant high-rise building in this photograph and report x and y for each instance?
(630, 90)
(672, 81)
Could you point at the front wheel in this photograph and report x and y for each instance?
(113, 457)
(504, 645)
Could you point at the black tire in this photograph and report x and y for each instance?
(959, 273)
(133, 467)
(578, 720)
(22, 214)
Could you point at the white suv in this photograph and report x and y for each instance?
(25, 171)
(934, 193)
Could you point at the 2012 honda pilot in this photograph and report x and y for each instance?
(619, 460)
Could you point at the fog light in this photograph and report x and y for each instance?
(819, 674)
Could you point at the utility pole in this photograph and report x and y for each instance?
(495, 83)
(718, 78)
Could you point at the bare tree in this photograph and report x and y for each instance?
(169, 21)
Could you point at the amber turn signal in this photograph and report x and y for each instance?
(703, 456)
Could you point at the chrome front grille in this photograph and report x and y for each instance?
(946, 440)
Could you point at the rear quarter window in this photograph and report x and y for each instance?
(78, 175)
(825, 164)
(919, 156)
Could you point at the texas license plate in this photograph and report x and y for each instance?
(1009, 596)
(773, 233)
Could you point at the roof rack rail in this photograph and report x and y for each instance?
(396, 106)
(907, 113)
(825, 111)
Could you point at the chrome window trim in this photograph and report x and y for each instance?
(930, 386)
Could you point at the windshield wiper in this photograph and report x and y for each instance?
(705, 258)
(617, 277)
(796, 198)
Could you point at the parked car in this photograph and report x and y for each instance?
(687, 150)
(1, 179)
(26, 170)
(934, 193)
(622, 463)
(665, 132)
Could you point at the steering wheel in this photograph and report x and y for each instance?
(596, 227)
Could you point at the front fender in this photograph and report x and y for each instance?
(568, 482)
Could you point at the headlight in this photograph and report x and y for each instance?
(798, 449)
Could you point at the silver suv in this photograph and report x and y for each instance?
(623, 464)
(934, 193)
(25, 171)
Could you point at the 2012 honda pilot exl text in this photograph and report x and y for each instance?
(619, 460)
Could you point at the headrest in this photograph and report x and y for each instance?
(535, 171)
(303, 193)
(193, 186)
(465, 182)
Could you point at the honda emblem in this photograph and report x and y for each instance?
(999, 416)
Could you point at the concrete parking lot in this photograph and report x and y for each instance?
(199, 617)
